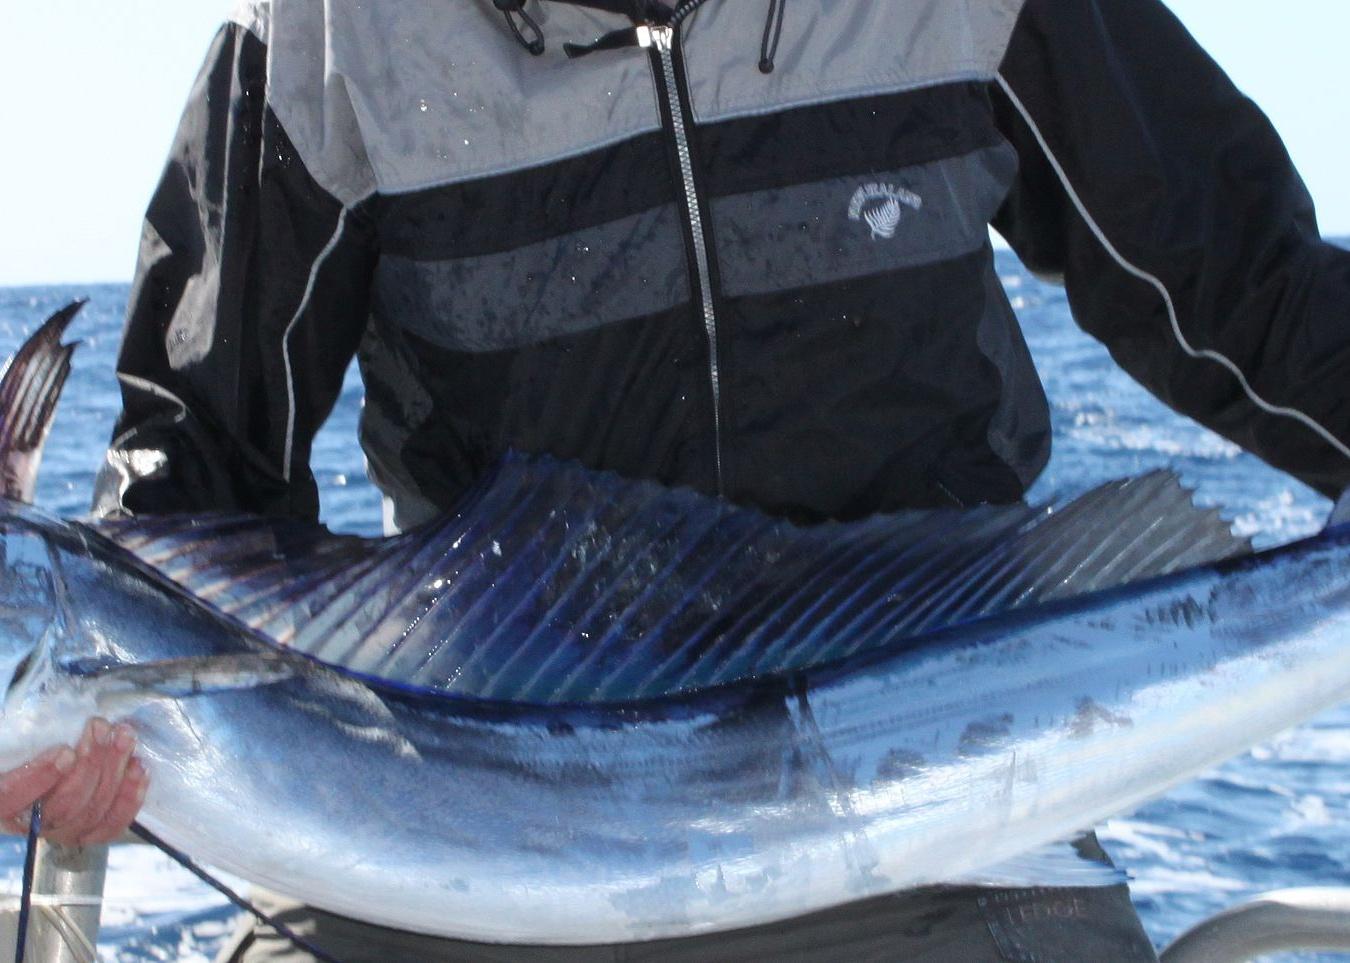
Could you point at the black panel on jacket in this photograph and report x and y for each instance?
(632, 398)
(470, 218)
(845, 138)
(232, 236)
(1189, 183)
(899, 431)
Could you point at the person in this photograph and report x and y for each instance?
(737, 246)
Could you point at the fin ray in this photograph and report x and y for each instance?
(555, 584)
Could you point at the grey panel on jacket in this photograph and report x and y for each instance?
(626, 268)
(833, 49)
(312, 99)
(438, 92)
(848, 227)
(254, 16)
(411, 94)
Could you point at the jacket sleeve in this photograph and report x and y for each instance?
(249, 299)
(1187, 242)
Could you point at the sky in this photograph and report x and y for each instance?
(91, 90)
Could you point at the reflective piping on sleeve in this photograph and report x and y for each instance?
(1143, 275)
(286, 340)
(159, 391)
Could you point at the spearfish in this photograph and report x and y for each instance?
(580, 709)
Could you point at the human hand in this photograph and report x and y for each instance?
(90, 793)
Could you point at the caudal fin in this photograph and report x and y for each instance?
(28, 393)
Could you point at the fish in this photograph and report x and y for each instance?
(580, 708)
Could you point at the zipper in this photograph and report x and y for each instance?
(661, 40)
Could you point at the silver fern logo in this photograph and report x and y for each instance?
(881, 206)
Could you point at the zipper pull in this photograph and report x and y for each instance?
(643, 35)
(662, 37)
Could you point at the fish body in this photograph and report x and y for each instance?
(713, 808)
(878, 713)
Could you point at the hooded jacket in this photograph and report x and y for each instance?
(744, 248)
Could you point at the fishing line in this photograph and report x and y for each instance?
(29, 869)
(60, 920)
(191, 865)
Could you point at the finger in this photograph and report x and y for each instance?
(113, 752)
(20, 788)
(18, 825)
(130, 797)
(107, 762)
(65, 805)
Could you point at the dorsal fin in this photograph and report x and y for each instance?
(28, 394)
(552, 583)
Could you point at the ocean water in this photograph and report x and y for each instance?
(1274, 817)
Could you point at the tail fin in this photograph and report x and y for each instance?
(28, 393)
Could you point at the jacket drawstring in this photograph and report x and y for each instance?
(773, 30)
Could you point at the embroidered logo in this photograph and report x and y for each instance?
(881, 206)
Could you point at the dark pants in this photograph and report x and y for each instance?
(947, 924)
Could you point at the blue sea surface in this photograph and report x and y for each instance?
(1277, 816)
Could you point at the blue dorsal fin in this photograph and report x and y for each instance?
(264, 571)
(552, 583)
(29, 391)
